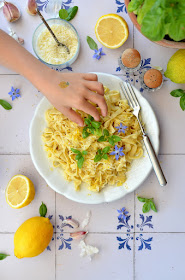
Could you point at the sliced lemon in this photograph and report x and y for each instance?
(111, 31)
(20, 191)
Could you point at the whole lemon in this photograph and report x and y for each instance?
(32, 237)
(176, 67)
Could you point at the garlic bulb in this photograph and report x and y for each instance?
(11, 12)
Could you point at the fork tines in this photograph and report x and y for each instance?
(129, 94)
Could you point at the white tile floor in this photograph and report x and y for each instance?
(146, 246)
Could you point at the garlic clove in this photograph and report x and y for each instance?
(14, 36)
(11, 12)
(32, 7)
(78, 234)
(71, 222)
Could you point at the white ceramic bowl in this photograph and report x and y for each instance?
(140, 168)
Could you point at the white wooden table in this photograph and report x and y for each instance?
(148, 246)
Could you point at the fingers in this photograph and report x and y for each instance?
(90, 77)
(88, 108)
(73, 116)
(99, 100)
(95, 86)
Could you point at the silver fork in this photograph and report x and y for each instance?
(129, 94)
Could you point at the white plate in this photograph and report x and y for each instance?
(140, 168)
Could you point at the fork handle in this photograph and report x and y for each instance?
(154, 160)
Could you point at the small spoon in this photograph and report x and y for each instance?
(48, 27)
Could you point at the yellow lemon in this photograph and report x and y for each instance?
(111, 31)
(32, 237)
(176, 67)
(20, 191)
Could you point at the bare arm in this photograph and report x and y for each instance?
(81, 86)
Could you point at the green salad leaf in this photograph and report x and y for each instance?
(5, 104)
(43, 210)
(3, 256)
(68, 14)
(179, 93)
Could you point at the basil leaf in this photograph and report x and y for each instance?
(91, 129)
(152, 204)
(116, 138)
(111, 141)
(5, 104)
(75, 151)
(101, 139)
(106, 150)
(146, 207)
(80, 162)
(78, 156)
(99, 152)
(72, 13)
(105, 132)
(84, 153)
(177, 92)
(182, 102)
(92, 44)
(87, 121)
(90, 117)
(105, 156)
(141, 199)
(97, 158)
(63, 14)
(96, 124)
(98, 131)
(3, 256)
(43, 210)
(85, 134)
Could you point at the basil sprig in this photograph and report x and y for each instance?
(149, 203)
(5, 104)
(79, 157)
(111, 139)
(43, 210)
(68, 14)
(91, 127)
(179, 93)
(102, 154)
(92, 44)
(3, 256)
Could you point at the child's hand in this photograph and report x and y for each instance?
(75, 95)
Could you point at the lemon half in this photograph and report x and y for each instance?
(111, 31)
(20, 191)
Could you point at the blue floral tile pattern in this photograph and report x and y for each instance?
(42, 4)
(124, 223)
(65, 243)
(124, 242)
(146, 221)
(144, 242)
(121, 6)
(66, 4)
(61, 69)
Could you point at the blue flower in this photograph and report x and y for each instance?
(122, 213)
(118, 152)
(121, 128)
(14, 93)
(98, 53)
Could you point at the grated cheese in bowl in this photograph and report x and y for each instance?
(47, 49)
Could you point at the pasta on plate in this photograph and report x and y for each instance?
(62, 134)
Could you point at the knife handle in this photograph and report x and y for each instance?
(154, 160)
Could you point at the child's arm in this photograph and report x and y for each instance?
(76, 95)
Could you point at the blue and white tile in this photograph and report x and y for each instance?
(26, 268)
(163, 260)
(111, 262)
(169, 200)
(15, 123)
(104, 217)
(11, 219)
